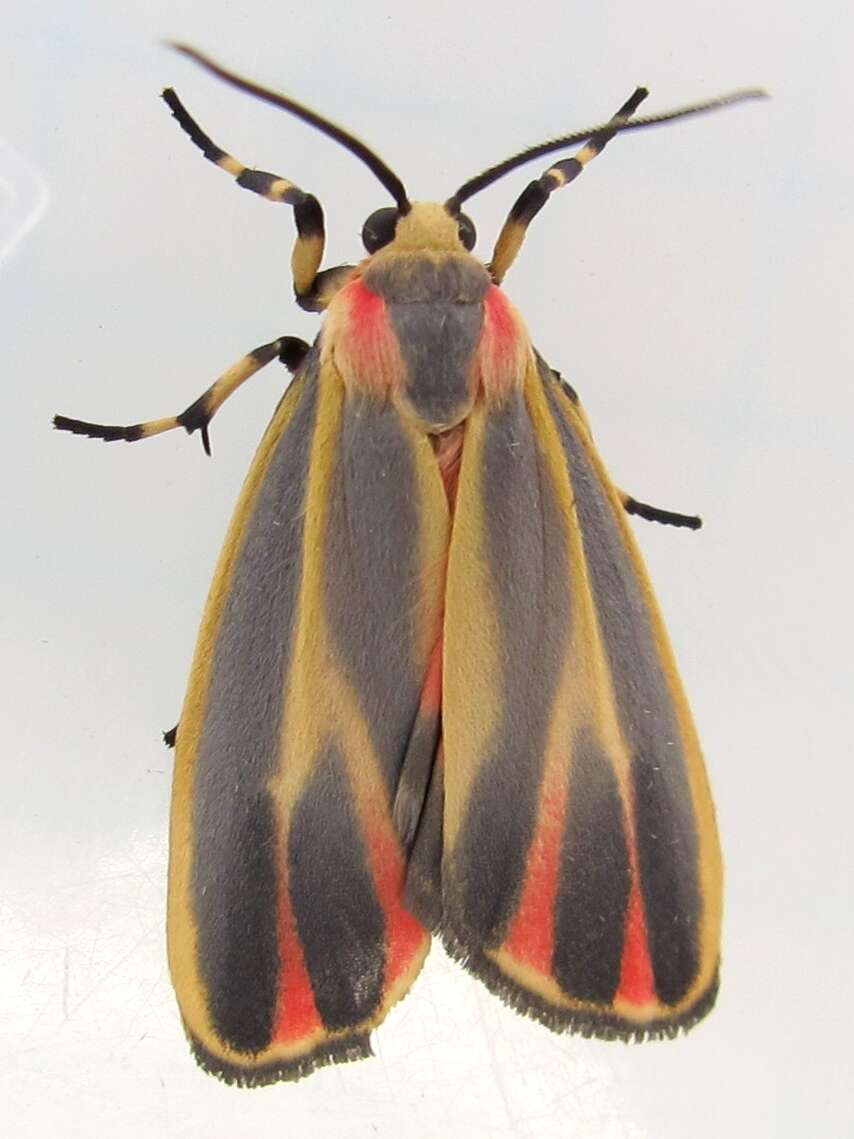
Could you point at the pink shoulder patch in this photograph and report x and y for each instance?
(504, 348)
(359, 337)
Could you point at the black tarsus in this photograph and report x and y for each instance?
(189, 125)
(106, 433)
(307, 210)
(665, 517)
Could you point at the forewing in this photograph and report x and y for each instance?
(288, 939)
(581, 872)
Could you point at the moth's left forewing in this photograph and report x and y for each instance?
(582, 871)
(288, 936)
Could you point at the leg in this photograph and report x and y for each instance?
(534, 197)
(290, 350)
(313, 290)
(630, 505)
(656, 514)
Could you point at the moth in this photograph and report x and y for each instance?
(432, 694)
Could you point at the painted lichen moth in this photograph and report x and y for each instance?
(432, 693)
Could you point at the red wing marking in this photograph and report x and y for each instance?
(431, 693)
(637, 985)
(404, 934)
(296, 1012)
(531, 935)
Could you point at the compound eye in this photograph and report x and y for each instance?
(468, 234)
(379, 229)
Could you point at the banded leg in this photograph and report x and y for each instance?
(289, 349)
(536, 194)
(631, 505)
(313, 289)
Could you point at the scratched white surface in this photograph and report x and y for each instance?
(694, 285)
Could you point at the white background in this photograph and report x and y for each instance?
(695, 286)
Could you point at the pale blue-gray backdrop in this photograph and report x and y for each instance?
(694, 286)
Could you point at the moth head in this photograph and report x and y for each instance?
(425, 225)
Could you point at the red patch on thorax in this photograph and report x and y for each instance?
(363, 342)
(502, 352)
(367, 309)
